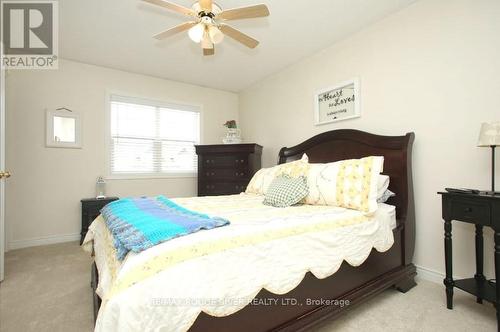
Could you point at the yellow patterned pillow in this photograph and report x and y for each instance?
(260, 182)
(349, 183)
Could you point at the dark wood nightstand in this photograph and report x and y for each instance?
(481, 210)
(91, 208)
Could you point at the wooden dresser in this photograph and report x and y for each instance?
(226, 169)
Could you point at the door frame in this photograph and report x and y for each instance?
(2, 167)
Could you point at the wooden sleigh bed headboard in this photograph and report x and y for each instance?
(353, 144)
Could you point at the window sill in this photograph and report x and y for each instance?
(117, 177)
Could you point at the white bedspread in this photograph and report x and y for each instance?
(219, 271)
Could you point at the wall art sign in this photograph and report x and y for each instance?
(337, 103)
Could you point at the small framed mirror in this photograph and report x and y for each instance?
(64, 129)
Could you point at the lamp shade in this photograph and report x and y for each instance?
(490, 134)
(196, 33)
(215, 34)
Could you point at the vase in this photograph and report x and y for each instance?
(233, 136)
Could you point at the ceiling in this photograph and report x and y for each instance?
(118, 34)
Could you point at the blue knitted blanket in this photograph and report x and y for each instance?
(141, 223)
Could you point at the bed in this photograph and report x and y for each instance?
(336, 278)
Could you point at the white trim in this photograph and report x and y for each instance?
(430, 275)
(3, 238)
(187, 175)
(43, 241)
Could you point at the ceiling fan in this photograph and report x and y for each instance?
(208, 27)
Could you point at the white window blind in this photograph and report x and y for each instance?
(148, 138)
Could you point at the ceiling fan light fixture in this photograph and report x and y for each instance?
(215, 34)
(196, 33)
(207, 26)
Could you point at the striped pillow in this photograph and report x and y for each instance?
(260, 182)
(285, 191)
(350, 183)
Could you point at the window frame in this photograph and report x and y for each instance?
(125, 97)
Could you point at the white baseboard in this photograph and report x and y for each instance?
(430, 275)
(42, 241)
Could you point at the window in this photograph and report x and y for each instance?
(152, 139)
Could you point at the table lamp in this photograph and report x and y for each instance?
(490, 137)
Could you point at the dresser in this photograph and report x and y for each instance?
(482, 210)
(91, 209)
(226, 169)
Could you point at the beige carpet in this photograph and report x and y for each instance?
(48, 289)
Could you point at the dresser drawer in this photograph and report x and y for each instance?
(221, 188)
(471, 211)
(228, 174)
(233, 161)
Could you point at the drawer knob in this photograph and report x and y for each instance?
(468, 210)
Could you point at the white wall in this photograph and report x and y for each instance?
(433, 68)
(43, 195)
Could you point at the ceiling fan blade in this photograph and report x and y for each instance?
(244, 12)
(206, 5)
(239, 36)
(209, 51)
(172, 31)
(172, 6)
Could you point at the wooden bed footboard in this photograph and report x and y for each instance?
(315, 300)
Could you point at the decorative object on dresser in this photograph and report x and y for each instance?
(233, 135)
(481, 210)
(91, 208)
(100, 188)
(490, 137)
(226, 169)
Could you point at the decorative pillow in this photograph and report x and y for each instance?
(349, 183)
(285, 191)
(261, 181)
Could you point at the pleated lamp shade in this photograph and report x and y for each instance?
(490, 135)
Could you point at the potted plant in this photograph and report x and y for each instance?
(233, 135)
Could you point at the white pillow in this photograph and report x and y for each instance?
(260, 182)
(350, 183)
(382, 185)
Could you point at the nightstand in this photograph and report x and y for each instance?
(480, 210)
(91, 208)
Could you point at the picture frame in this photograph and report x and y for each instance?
(63, 129)
(337, 103)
